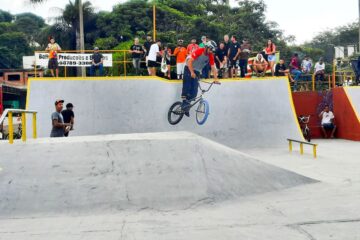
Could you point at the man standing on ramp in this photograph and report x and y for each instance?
(194, 66)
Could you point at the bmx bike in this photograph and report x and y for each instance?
(176, 111)
(304, 120)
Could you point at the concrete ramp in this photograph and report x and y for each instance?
(119, 172)
(347, 112)
(247, 113)
(353, 94)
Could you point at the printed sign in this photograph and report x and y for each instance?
(72, 59)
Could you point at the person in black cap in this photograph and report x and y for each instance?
(97, 63)
(69, 116)
(58, 125)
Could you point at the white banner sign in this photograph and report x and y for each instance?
(72, 59)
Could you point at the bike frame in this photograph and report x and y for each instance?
(304, 120)
(203, 91)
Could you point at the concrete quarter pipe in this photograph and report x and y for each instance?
(250, 113)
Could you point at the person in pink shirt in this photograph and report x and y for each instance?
(295, 68)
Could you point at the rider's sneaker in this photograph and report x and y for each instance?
(185, 107)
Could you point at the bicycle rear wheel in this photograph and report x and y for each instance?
(175, 113)
(202, 112)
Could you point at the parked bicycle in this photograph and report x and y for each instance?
(304, 120)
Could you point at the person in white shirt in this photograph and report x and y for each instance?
(319, 70)
(153, 54)
(327, 121)
(306, 65)
(260, 65)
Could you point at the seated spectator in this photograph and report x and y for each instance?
(97, 62)
(282, 70)
(180, 53)
(295, 69)
(327, 121)
(319, 70)
(221, 59)
(260, 65)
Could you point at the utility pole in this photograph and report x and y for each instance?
(82, 42)
(154, 22)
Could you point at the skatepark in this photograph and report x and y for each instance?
(126, 173)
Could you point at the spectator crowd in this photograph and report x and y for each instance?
(233, 58)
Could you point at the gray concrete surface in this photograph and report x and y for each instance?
(354, 94)
(319, 211)
(242, 113)
(176, 185)
(163, 171)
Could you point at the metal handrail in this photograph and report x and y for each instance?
(9, 112)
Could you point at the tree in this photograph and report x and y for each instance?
(13, 46)
(5, 16)
(30, 24)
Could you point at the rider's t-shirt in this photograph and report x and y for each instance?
(201, 59)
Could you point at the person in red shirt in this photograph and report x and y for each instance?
(180, 53)
(270, 51)
(194, 66)
(295, 69)
(192, 46)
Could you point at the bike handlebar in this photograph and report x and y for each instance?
(211, 84)
(304, 119)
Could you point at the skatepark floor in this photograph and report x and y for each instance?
(329, 209)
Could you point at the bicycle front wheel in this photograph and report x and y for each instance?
(307, 134)
(175, 113)
(202, 112)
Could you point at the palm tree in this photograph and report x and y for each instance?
(76, 21)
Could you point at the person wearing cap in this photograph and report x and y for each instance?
(69, 116)
(203, 42)
(194, 65)
(153, 54)
(57, 119)
(180, 53)
(97, 62)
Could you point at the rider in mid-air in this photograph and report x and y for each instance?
(194, 65)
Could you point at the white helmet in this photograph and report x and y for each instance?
(212, 45)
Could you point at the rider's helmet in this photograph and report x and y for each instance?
(211, 45)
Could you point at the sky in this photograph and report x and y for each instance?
(301, 18)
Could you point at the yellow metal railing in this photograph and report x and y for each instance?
(302, 146)
(10, 114)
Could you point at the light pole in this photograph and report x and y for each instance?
(82, 42)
